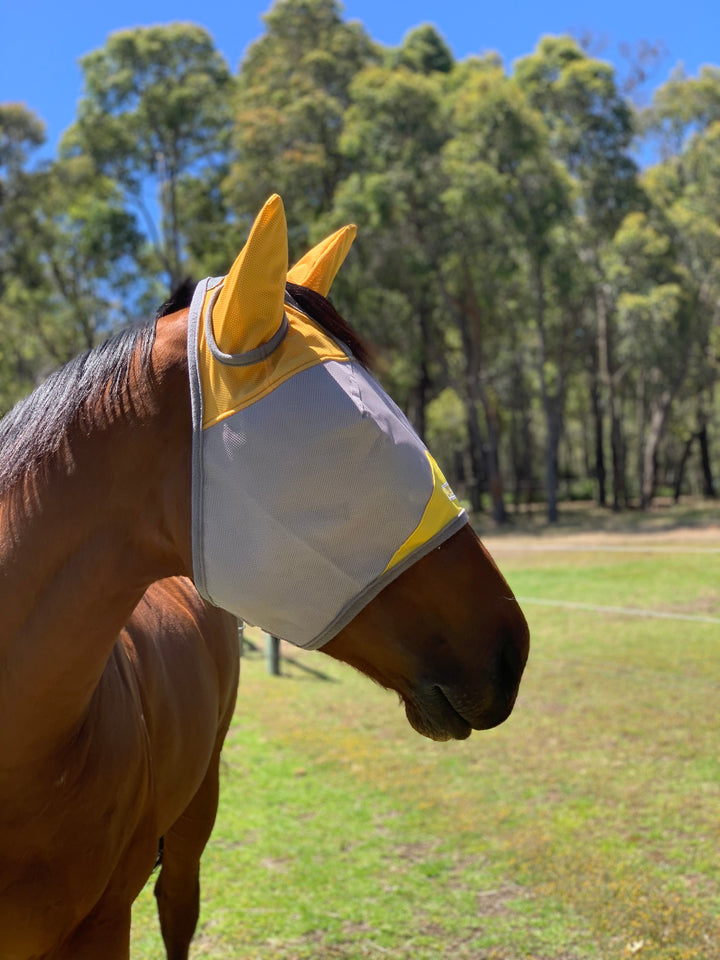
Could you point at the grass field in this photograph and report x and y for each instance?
(586, 827)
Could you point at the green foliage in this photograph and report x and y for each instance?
(156, 109)
(20, 133)
(447, 433)
(292, 94)
(684, 105)
(425, 51)
(510, 255)
(67, 250)
(591, 125)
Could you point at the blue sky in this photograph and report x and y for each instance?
(41, 40)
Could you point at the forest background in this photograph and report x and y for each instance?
(545, 310)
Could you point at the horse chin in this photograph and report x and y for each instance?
(435, 717)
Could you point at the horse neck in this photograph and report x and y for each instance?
(82, 540)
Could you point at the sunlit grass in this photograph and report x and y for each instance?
(585, 827)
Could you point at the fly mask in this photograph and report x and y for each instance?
(310, 489)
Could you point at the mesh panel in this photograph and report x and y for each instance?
(308, 494)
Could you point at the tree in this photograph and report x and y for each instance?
(21, 274)
(21, 133)
(657, 324)
(492, 128)
(591, 130)
(292, 94)
(392, 136)
(90, 246)
(684, 106)
(686, 185)
(66, 246)
(156, 113)
(423, 50)
(508, 145)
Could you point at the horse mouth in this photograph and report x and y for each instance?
(435, 717)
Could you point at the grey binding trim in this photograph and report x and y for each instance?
(196, 404)
(249, 357)
(374, 588)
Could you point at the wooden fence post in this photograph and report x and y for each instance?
(272, 655)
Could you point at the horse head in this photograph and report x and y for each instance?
(317, 511)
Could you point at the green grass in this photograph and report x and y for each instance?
(584, 828)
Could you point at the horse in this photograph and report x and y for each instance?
(232, 457)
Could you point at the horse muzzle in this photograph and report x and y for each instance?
(451, 710)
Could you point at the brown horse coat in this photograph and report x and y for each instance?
(81, 837)
(117, 684)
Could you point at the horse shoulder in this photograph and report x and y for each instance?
(185, 654)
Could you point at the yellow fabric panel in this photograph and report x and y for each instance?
(227, 389)
(441, 509)
(317, 269)
(249, 309)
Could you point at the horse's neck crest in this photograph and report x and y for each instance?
(311, 491)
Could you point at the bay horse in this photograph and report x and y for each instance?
(117, 677)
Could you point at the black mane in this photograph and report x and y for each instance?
(321, 310)
(180, 298)
(35, 428)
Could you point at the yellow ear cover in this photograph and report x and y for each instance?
(318, 268)
(249, 308)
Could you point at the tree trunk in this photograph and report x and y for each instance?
(169, 219)
(607, 375)
(704, 441)
(424, 383)
(680, 474)
(492, 459)
(659, 409)
(598, 427)
(476, 482)
(471, 395)
(551, 464)
(640, 430)
(552, 405)
(521, 435)
(617, 448)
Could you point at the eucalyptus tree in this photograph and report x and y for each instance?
(686, 185)
(684, 106)
(292, 94)
(591, 129)
(21, 273)
(155, 118)
(392, 136)
(21, 134)
(423, 50)
(491, 140)
(510, 203)
(657, 323)
(90, 246)
(66, 255)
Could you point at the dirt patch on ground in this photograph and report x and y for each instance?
(707, 537)
(692, 521)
